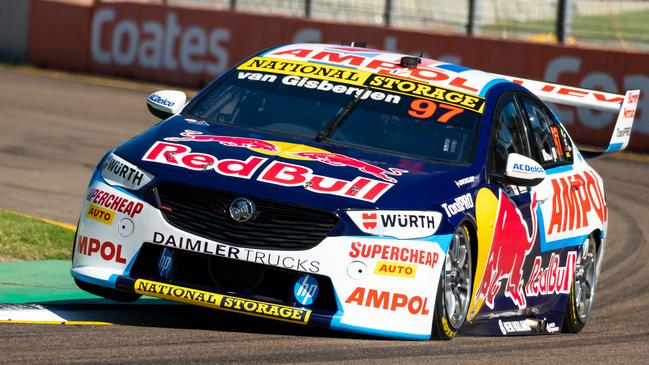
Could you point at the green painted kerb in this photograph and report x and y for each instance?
(38, 282)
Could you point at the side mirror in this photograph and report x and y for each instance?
(165, 103)
(522, 171)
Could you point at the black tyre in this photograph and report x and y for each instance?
(454, 289)
(112, 294)
(582, 291)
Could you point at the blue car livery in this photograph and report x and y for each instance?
(357, 190)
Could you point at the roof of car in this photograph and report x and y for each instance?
(429, 71)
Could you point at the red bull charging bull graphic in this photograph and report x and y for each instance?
(335, 159)
(252, 143)
(308, 153)
(511, 241)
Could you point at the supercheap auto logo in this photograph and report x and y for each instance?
(223, 302)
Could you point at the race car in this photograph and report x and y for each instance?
(357, 190)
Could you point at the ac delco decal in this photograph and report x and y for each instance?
(115, 202)
(554, 279)
(223, 302)
(389, 268)
(277, 172)
(426, 91)
(395, 223)
(306, 69)
(394, 253)
(99, 214)
(372, 298)
(108, 251)
(575, 196)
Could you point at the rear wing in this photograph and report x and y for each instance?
(624, 105)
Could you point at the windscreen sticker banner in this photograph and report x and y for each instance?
(392, 85)
(306, 69)
(426, 91)
(320, 85)
(223, 302)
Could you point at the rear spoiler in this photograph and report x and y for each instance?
(624, 105)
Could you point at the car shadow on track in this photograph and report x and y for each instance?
(160, 313)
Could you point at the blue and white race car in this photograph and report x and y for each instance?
(357, 190)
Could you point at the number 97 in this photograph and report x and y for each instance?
(424, 109)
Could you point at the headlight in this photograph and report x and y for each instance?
(117, 171)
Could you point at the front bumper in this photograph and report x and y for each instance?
(368, 285)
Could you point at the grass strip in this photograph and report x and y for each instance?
(27, 238)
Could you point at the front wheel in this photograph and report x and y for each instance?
(582, 291)
(454, 289)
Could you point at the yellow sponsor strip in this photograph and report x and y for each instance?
(99, 214)
(66, 323)
(306, 69)
(427, 91)
(392, 268)
(222, 302)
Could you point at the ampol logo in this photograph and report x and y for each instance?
(306, 290)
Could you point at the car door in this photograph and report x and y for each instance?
(508, 219)
(552, 267)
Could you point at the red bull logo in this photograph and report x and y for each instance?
(292, 151)
(276, 172)
(252, 143)
(512, 242)
(335, 159)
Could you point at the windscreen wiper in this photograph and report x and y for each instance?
(333, 124)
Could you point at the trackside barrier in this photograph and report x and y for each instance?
(13, 30)
(189, 47)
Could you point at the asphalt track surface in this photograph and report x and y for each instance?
(53, 131)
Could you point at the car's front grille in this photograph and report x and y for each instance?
(277, 226)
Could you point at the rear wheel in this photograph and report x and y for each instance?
(582, 292)
(454, 289)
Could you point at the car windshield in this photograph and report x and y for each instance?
(391, 122)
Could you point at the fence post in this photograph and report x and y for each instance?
(387, 14)
(562, 6)
(472, 24)
(307, 8)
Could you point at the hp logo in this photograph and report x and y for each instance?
(306, 290)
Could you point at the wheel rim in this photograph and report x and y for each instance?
(585, 279)
(457, 279)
